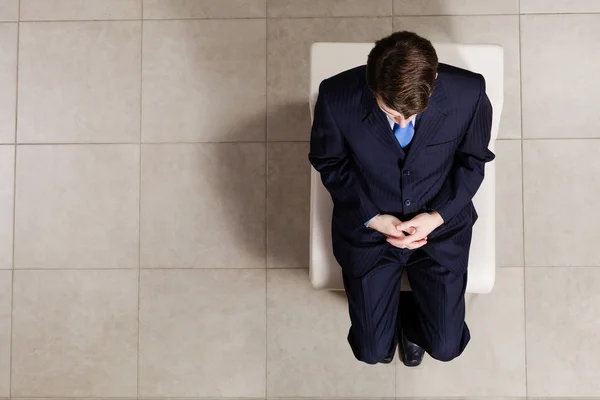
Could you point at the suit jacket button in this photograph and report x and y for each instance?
(406, 172)
(407, 203)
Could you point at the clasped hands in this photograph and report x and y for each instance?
(410, 234)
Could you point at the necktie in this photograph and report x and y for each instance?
(404, 135)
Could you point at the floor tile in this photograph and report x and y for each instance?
(9, 10)
(203, 206)
(493, 363)
(509, 203)
(502, 30)
(307, 351)
(202, 333)
(288, 205)
(204, 81)
(168, 9)
(560, 6)
(557, 49)
(7, 170)
(75, 333)
(563, 332)
(329, 8)
(79, 82)
(8, 81)
(5, 305)
(77, 206)
(558, 204)
(455, 7)
(63, 10)
(288, 54)
(331, 398)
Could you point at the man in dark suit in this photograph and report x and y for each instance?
(401, 145)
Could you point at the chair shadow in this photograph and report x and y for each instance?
(279, 230)
(240, 187)
(252, 232)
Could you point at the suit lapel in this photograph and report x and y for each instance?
(429, 122)
(378, 124)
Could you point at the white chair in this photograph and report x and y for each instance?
(328, 59)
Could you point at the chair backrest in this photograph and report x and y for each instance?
(328, 59)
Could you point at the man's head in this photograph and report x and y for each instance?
(401, 71)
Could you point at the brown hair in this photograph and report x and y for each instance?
(401, 71)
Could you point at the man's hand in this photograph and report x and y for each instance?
(418, 228)
(388, 225)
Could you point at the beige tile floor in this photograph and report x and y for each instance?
(154, 202)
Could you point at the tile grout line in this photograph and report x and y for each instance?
(260, 268)
(393, 15)
(150, 143)
(249, 142)
(12, 283)
(266, 213)
(523, 204)
(167, 269)
(503, 267)
(290, 17)
(139, 286)
(266, 138)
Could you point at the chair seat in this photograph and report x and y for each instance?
(328, 59)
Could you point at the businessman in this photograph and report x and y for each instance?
(401, 145)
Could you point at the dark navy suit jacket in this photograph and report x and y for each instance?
(367, 172)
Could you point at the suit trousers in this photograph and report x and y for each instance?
(432, 315)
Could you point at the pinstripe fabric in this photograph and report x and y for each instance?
(375, 305)
(366, 171)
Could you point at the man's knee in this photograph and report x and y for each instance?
(370, 357)
(367, 352)
(447, 348)
(445, 352)
(368, 349)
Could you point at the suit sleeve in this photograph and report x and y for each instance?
(467, 173)
(329, 154)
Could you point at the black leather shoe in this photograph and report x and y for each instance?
(411, 354)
